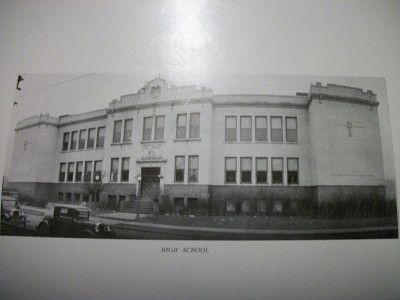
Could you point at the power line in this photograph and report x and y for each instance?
(58, 83)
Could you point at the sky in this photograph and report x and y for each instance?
(60, 94)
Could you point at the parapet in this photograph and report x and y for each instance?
(342, 93)
(37, 120)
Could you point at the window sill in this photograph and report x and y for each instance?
(152, 141)
(80, 150)
(188, 140)
(258, 142)
(123, 143)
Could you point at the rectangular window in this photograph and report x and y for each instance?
(261, 169)
(178, 204)
(245, 129)
(193, 168)
(77, 197)
(159, 132)
(74, 140)
(230, 129)
(291, 129)
(128, 130)
(276, 129)
(277, 170)
(79, 170)
(98, 169)
(60, 197)
(68, 197)
(61, 177)
(65, 141)
(101, 131)
(82, 139)
(147, 127)
(293, 170)
(117, 131)
(70, 174)
(230, 169)
(245, 169)
(179, 168)
(125, 169)
(181, 127)
(114, 169)
(194, 130)
(261, 129)
(88, 171)
(91, 137)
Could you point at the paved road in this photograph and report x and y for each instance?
(133, 230)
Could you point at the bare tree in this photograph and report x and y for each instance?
(96, 187)
(153, 192)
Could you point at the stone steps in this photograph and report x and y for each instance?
(146, 206)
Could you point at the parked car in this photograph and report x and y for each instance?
(73, 220)
(10, 212)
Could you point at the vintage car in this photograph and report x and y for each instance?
(73, 220)
(10, 212)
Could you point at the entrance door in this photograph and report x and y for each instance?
(150, 185)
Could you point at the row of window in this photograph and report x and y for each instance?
(261, 164)
(193, 168)
(153, 128)
(80, 171)
(87, 139)
(261, 129)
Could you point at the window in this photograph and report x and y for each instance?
(230, 129)
(291, 129)
(79, 170)
(245, 129)
(261, 169)
(67, 199)
(293, 170)
(60, 197)
(178, 204)
(245, 169)
(128, 130)
(101, 131)
(179, 168)
(230, 169)
(65, 141)
(98, 169)
(82, 139)
(74, 140)
(193, 204)
(125, 169)
(88, 171)
(61, 177)
(70, 174)
(277, 170)
(114, 169)
(194, 130)
(159, 132)
(181, 127)
(193, 169)
(91, 137)
(276, 129)
(261, 129)
(117, 131)
(147, 127)
(77, 197)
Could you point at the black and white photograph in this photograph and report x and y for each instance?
(228, 158)
(199, 149)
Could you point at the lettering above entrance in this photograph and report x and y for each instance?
(151, 157)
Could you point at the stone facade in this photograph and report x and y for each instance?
(329, 140)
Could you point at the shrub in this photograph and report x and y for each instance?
(165, 206)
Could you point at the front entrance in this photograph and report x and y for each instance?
(150, 185)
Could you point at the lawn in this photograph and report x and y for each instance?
(274, 222)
